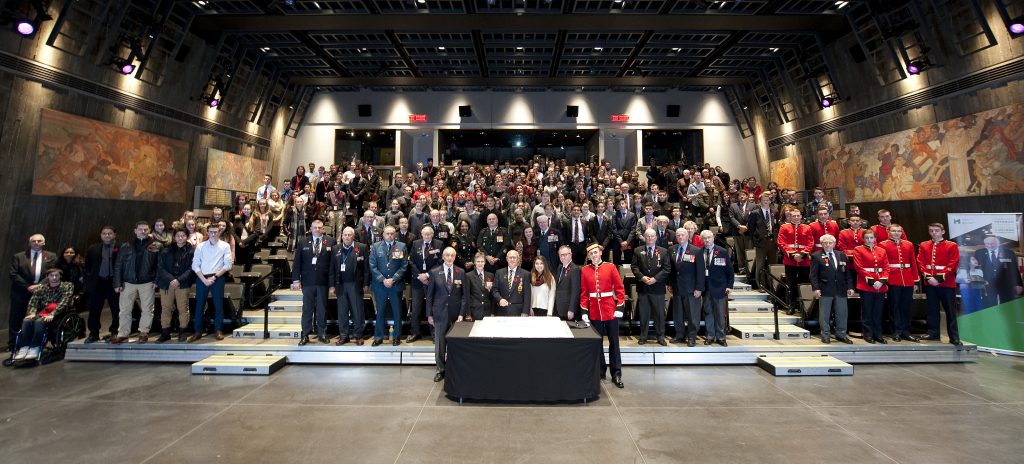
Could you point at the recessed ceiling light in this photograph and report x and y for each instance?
(598, 48)
(774, 49)
(676, 49)
(519, 49)
(441, 48)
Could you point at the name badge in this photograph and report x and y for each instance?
(499, 239)
(719, 261)
(342, 269)
(314, 260)
(1005, 260)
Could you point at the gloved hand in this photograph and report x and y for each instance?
(618, 314)
(586, 318)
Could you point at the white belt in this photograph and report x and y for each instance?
(872, 269)
(937, 268)
(796, 245)
(898, 266)
(601, 295)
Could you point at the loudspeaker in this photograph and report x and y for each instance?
(857, 54)
(572, 111)
(465, 111)
(365, 111)
(672, 111)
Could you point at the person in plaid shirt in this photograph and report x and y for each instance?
(49, 301)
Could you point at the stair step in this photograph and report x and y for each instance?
(741, 286)
(760, 319)
(767, 331)
(797, 366)
(285, 305)
(287, 294)
(276, 331)
(273, 318)
(220, 364)
(750, 306)
(747, 295)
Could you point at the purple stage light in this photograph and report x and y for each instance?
(26, 28)
(913, 69)
(826, 102)
(214, 102)
(127, 68)
(1017, 28)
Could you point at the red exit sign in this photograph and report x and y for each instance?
(417, 118)
(620, 118)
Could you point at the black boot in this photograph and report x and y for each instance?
(165, 335)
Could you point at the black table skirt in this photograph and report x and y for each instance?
(522, 369)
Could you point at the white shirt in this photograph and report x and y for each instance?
(210, 258)
(542, 296)
(264, 191)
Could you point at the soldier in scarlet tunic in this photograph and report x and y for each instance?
(902, 279)
(601, 298)
(939, 260)
(872, 265)
(851, 238)
(796, 242)
(881, 229)
(823, 225)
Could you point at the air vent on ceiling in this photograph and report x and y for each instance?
(984, 78)
(31, 70)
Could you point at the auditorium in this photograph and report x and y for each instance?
(497, 231)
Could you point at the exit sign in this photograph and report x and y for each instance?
(620, 118)
(417, 118)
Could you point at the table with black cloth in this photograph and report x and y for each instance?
(523, 369)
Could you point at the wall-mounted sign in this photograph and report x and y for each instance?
(620, 118)
(417, 118)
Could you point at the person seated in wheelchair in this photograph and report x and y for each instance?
(50, 301)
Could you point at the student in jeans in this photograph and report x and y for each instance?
(212, 259)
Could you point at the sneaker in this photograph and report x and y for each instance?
(33, 353)
(22, 352)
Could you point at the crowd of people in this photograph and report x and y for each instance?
(472, 241)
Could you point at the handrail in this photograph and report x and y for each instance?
(778, 302)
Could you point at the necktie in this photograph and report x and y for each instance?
(707, 257)
(511, 275)
(679, 254)
(650, 252)
(599, 221)
(448, 280)
(832, 259)
(992, 258)
(767, 220)
(316, 246)
(35, 265)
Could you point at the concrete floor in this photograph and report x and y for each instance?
(158, 413)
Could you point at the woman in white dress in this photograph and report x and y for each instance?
(542, 296)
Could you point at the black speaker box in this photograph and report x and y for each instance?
(672, 111)
(465, 111)
(572, 111)
(365, 111)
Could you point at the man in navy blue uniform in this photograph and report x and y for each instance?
(719, 280)
(688, 285)
(445, 302)
(549, 238)
(388, 262)
(311, 273)
(425, 255)
(349, 280)
(832, 284)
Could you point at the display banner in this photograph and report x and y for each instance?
(989, 277)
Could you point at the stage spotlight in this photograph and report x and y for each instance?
(826, 102)
(125, 67)
(1017, 27)
(214, 103)
(915, 67)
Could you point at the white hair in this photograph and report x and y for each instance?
(827, 236)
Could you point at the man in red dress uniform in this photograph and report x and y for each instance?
(796, 243)
(902, 279)
(601, 298)
(939, 260)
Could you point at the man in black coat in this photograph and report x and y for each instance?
(424, 255)
(478, 291)
(718, 285)
(1002, 273)
(512, 287)
(493, 242)
(446, 301)
(687, 286)
(762, 226)
(311, 273)
(567, 284)
(99, 282)
(651, 267)
(28, 269)
(602, 230)
(832, 284)
(624, 225)
(349, 280)
(549, 238)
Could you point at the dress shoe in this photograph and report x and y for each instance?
(661, 341)
(118, 340)
(881, 340)
(955, 341)
(708, 341)
(911, 338)
(604, 375)
(182, 336)
(895, 338)
(396, 342)
(219, 335)
(439, 376)
(304, 340)
(341, 341)
(359, 341)
(92, 339)
(870, 340)
(931, 338)
(826, 339)
(691, 342)
(641, 341)
(722, 342)
(323, 339)
(377, 342)
(165, 336)
(845, 340)
(143, 338)
(23, 351)
(617, 380)
(412, 338)
(195, 337)
(678, 340)
(33, 353)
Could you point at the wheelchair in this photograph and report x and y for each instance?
(58, 334)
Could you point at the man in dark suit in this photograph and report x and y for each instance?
(99, 282)
(549, 238)
(424, 255)
(832, 284)
(651, 268)
(624, 225)
(368, 233)
(28, 269)
(601, 230)
(478, 291)
(763, 226)
(1002, 273)
(446, 301)
(738, 214)
(688, 285)
(493, 241)
(567, 284)
(577, 236)
(311, 271)
(511, 288)
(349, 279)
(719, 280)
